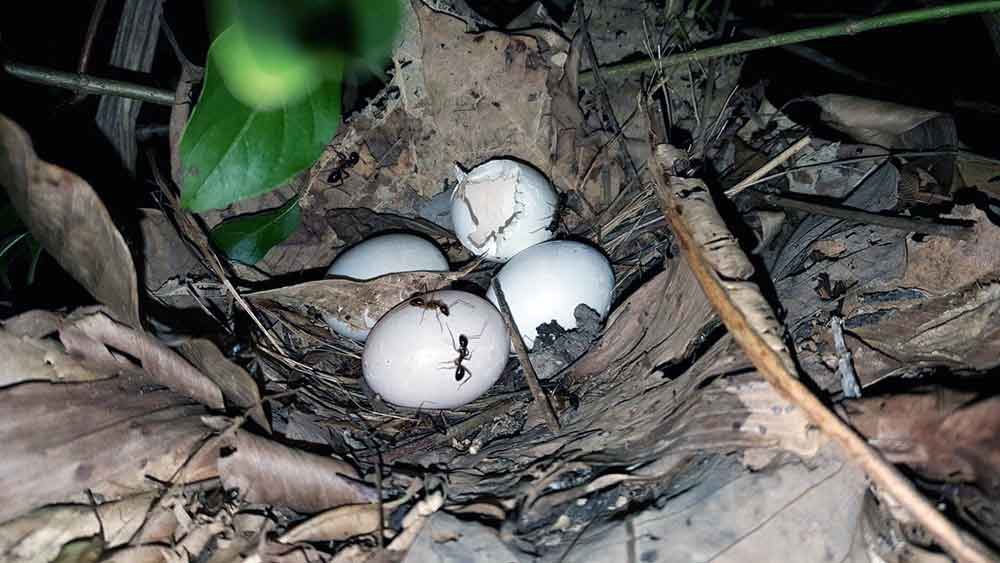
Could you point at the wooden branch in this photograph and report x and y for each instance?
(88, 83)
(695, 222)
(769, 166)
(541, 399)
(834, 30)
(858, 215)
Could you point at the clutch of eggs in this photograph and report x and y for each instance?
(378, 256)
(502, 207)
(437, 350)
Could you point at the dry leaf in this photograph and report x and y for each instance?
(35, 323)
(151, 553)
(943, 435)
(235, 383)
(28, 359)
(353, 301)
(161, 364)
(337, 524)
(165, 255)
(65, 215)
(448, 539)
(266, 472)
(110, 436)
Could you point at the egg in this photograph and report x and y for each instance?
(547, 281)
(502, 207)
(438, 350)
(378, 256)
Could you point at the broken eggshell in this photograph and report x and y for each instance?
(410, 357)
(547, 281)
(378, 256)
(502, 207)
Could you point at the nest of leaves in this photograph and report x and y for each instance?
(663, 417)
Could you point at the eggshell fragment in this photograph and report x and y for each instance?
(378, 256)
(410, 357)
(502, 207)
(547, 281)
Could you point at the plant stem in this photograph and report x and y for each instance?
(823, 32)
(88, 83)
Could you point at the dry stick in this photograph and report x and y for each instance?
(767, 361)
(88, 42)
(777, 40)
(522, 354)
(769, 166)
(960, 232)
(88, 83)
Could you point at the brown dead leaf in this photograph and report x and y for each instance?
(65, 215)
(164, 253)
(266, 472)
(944, 435)
(39, 535)
(337, 524)
(235, 383)
(162, 365)
(35, 323)
(28, 359)
(941, 264)
(110, 436)
(350, 300)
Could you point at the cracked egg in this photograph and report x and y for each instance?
(502, 207)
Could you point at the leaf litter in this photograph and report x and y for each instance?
(672, 444)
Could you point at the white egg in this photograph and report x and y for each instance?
(502, 207)
(411, 354)
(378, 256)
(547, 281)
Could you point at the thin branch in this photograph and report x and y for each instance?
(89, 84)
(522, 354)
(860, 216)
(777, 40)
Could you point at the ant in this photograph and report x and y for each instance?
(340, 170)
(435, 305)
(463, 354)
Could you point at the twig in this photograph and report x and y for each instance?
(778, 371)
(893, 222)
(771, 165)
(777, 40)
(845, 367)
(88, 43)
(89, 84)
(522, 354)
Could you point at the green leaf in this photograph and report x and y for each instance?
(231, 152)
(248, 238)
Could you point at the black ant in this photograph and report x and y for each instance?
(340, 170)
(431, 305)
(463, 354)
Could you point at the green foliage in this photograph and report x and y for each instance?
(230, 151)
(248, 238)
(270, 103)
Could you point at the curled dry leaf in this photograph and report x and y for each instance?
(39, 535)
(350, 300)
(266, 472)
(162, 364)
(337, 524)
(150, 553)
(35, 323)
(110, 436)
(65, 215)
(28, 359)
(235, 383)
